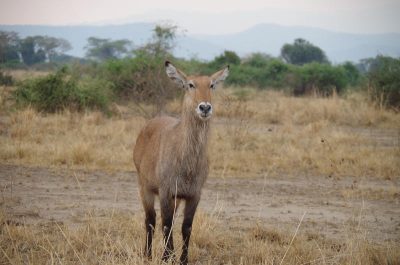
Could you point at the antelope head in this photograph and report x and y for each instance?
(198, 90)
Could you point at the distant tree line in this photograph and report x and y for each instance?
(30, 50)
(133, 73)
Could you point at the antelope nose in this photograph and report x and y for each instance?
(205, 108)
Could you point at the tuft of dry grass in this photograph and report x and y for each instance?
(263, 131)
(117, 238)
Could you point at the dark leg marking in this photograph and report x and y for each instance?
(190, 210)
(150, 219)
(150, 223)
(167, 216)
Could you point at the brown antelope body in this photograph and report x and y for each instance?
(170, 156)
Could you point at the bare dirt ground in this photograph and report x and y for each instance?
(332, 206)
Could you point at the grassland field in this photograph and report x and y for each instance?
(293, 180)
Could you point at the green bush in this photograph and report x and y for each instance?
(276, 73)
(258, 60)
(384, 81)
(219, 62)
(243, 75)
(273, 73)
(352, 74)
(61, 90)
(318, 78)
(141, 79)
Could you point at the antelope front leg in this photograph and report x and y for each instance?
(190, 210)
(167, 215)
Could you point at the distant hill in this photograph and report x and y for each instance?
(267, 38)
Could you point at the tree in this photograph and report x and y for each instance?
(302, 52)
(31, 52)
(53, 46)
(9, 46)
(162, 43)
(33, 49)
(105, 49)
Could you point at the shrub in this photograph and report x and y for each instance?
(243, 75)
(272, 74)
(6, 79)
(140, 79)
(318, 78)
(352, 74)
(384, 81)
(60, 90)
(275, 73)
(258, 60)
(228, 57)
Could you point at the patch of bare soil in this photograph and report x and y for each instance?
(332, 206)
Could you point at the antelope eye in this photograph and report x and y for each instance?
(212, 86)
(191, 85)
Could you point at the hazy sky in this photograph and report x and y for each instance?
(211, 16)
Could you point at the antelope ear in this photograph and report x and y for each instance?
(176, 75)
(220, 75)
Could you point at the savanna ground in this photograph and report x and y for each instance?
(293, 181)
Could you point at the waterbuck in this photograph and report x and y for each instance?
(170, 156)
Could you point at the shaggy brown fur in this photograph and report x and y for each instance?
(170, 156)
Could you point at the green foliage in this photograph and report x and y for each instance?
(60, 91)
(139, 75)
(193, 66)
(257, 60)
(52, 47)
(243, 76)
(163, 41)
(106, 49)
(5, 79)
(276, 73)
(353, 75)
(302, 52)
(33, 49)
(263, 71)
(139, 79)
(228, 57)
(30, 52)
(9, 46)
(384, 81)
(273, 73)
(318, 78)
(142, 78)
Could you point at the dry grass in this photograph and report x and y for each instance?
(323, 136)
(117, 238)
(69, 139)
(259, 132)
(25, 74)
(256, 132)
